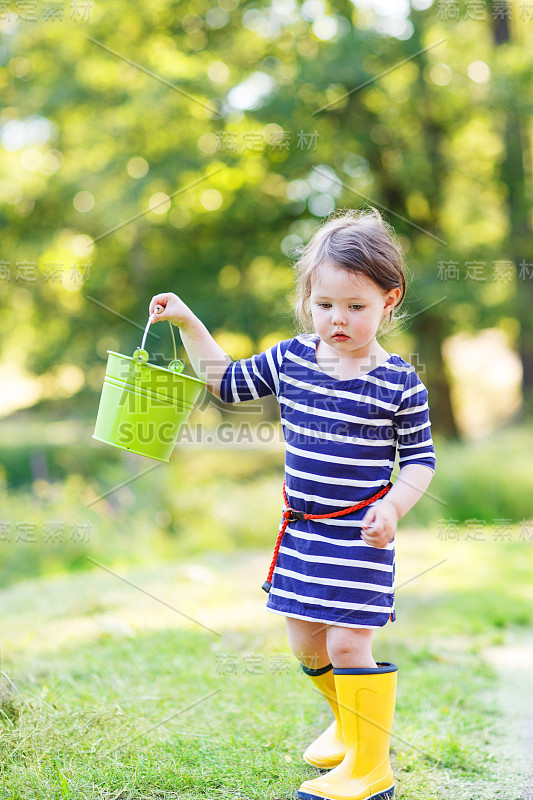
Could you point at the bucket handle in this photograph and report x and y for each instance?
(141, 354)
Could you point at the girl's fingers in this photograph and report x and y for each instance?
(374, 540)
(157, 305)
(368, 518)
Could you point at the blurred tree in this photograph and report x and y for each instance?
(515, 81)
(192, 147)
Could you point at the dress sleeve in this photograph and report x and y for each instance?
(251, 378)
(412, 425)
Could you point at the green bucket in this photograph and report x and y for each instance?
(143, 406)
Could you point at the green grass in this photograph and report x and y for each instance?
(111, 692)
(105, 691)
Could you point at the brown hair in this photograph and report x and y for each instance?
(359, 242)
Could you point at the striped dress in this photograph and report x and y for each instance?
(341, 438)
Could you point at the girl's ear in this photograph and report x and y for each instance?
(391, 299)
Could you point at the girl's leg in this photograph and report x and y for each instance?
(316, 645)
(349, 647)
(366, 697)
(307, 641)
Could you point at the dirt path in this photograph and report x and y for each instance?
(513, 733)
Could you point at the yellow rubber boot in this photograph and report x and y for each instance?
(366, 699)
(328, 750)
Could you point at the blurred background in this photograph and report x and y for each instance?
(193, 148)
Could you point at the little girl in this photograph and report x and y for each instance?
(346, 404)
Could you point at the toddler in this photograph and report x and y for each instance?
(347, 406)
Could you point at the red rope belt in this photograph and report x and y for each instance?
(291, 515)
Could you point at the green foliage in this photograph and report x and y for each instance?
(405, 122)
(92, 500)
(470, 479)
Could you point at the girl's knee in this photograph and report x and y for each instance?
(350, 647)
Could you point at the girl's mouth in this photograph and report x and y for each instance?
(340, 337)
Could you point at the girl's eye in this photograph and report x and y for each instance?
(328, 305)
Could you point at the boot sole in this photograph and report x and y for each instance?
(388, 794)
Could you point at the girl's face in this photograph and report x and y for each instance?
(347, 308)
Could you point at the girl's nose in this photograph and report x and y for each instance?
(338, 317)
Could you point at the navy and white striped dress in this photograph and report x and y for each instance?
(341, 438)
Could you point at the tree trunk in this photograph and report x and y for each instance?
(513, 175)
(430, 329)
(432, 370)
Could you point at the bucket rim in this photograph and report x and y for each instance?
(155, 366)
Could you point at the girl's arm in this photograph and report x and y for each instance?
(408, 488)
(208, 359)
(380, 521)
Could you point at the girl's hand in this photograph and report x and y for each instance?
(379, 524)
(174, 309)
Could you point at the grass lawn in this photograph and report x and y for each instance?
(170, 680)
